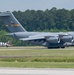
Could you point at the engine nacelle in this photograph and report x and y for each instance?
(53, 40)
(67, 38)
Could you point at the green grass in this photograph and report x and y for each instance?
(36, 57)
(37, 64)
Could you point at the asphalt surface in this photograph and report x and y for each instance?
(35, 71)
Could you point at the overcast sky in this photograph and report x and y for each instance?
(22, 5)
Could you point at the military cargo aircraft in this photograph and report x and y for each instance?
(47, 39)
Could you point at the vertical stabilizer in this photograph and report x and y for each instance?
(11, 22)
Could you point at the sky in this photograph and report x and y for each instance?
(22, 5)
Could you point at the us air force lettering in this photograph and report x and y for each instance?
(48, 39)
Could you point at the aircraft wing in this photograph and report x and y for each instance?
(32, 38)
(38, 37)
(51, 38)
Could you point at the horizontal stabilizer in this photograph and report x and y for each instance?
(4, 14)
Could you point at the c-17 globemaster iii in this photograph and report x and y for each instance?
(47, 39)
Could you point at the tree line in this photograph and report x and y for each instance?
(52, 20)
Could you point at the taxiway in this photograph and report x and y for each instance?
(35, 71)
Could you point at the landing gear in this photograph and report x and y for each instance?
(53, 47)
(62, 47)
(56, 47)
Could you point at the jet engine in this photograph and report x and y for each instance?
(53, 40)
(67, 38)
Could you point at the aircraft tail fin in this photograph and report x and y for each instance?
(11, 22)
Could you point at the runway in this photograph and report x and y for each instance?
(35, 71)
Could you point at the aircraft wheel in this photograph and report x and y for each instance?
(62, 47)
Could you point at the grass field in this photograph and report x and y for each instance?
(36, 57)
